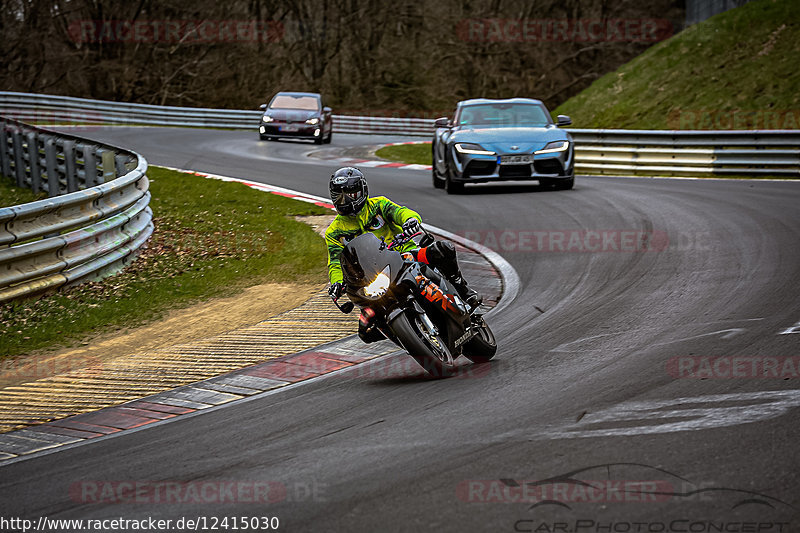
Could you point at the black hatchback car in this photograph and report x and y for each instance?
(298, 115)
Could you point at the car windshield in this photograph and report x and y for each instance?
(287, 101)
(503, 115)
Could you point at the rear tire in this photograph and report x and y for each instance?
(482, 347)
(431, 354)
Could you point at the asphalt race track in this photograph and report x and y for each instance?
(589, 419)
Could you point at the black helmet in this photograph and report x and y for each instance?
(349, 191)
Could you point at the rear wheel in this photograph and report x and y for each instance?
(429, 350)
(482, 347)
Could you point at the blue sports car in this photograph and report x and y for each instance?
(494, 140)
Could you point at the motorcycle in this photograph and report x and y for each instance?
(412, 304)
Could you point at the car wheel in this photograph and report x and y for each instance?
(452, 187)
(330, 136)
(566, 184)
(438, 183)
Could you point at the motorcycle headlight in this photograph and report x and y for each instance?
(267, 118)
(472, 148)
(553, 147)
(379, 285)
(312, 121)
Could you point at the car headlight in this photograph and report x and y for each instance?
(312, 121)
(267, 118)
(379, 285)
(472, 148)
(553, 147)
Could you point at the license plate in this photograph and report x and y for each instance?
(289, 127)
(515, 159)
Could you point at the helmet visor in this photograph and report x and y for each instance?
(343, 198)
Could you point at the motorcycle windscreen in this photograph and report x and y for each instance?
(362, 259)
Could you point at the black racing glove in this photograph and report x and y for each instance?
(336, 290)
(412, 226)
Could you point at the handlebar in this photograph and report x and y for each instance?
(402, 238)
(345, 308)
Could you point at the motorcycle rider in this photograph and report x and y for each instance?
(358, 213)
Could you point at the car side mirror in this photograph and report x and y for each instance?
(262, 107)
(564, 120)
(443, 122)
(326, 109)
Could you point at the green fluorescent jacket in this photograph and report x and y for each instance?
(379, 215)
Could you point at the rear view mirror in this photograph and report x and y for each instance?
(564, 120)
(443, 122)
(326, 109)
(262, 107)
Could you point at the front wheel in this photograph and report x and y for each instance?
(438, 182)
(483, 346)
(429, 350)
(451, 186)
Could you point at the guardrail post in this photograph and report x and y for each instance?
(33, 161)
(89, 166)
(19, 159)
(108, 165)
(70, 169)
(122, 167)
(51, 162)
(5, 157)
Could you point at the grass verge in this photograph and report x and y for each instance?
(10, 194)
(410, 154)
(211, 238)
(736, 70)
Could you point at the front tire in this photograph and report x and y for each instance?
(451, 186)
(483, 346)
(438, 183)
(565, 185)
(430, 352)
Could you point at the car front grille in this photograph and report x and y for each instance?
(515, 171)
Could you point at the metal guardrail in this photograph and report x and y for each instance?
(66, 109)
(79, 233)
(598, 152)
(687, 153)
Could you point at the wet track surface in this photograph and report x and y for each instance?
(628, 285)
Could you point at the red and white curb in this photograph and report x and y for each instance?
(247, 383)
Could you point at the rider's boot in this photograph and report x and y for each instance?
(467, 293)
